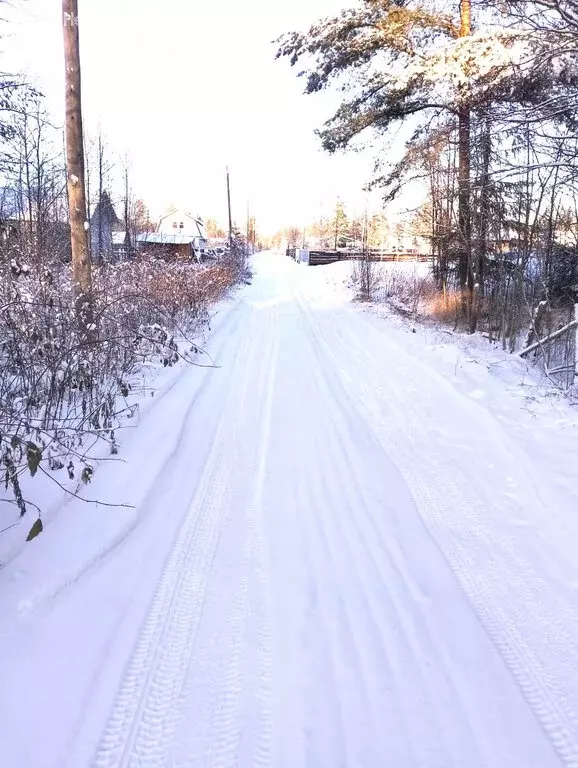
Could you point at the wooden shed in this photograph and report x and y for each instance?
(162, 245)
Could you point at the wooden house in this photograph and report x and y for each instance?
(179, 236)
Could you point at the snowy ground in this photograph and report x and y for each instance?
(352, 545)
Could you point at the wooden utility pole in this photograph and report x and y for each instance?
(465, 272)
(81, 270)
(230, 216)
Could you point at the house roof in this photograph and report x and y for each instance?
(105, 209)
(182, 213)
(166, 238)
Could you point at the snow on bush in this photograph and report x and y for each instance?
(60, 394)
(408, 286)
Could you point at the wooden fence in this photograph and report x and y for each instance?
(320, 257)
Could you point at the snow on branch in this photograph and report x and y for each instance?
(541, 342)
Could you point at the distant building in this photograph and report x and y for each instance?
(109, 238)
(180, 222)
(166, 246)
(407, 244)
(179, 236)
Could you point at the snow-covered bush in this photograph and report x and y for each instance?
(59, 392)
(366, 278)
(407, 286)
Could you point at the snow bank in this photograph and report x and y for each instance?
(539, 417)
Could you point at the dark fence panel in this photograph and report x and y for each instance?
(319, 257)
(329, 257)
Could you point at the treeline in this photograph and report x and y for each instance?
(487, 92)
(342, 230)
(33, 188)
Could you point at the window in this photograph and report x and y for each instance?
(174, 224)
(181, 225)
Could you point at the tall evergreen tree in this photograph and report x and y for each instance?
(414, 59)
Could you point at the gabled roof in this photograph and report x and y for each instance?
(105, 209)
(182, 213)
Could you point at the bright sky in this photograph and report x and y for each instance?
(187, 88)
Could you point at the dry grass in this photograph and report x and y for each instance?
(410, 292)
(444, 307)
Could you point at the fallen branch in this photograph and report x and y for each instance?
(538, 344)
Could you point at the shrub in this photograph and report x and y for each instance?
(56, 388)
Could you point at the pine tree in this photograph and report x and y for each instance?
(339, 224)
(413, 59)
(377, 231)
(213, 229)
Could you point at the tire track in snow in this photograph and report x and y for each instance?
(349, 420)
(311, 724)
(260, 746)
(395, 629)
(135, 735)
(359, 630)
(436, 492)
(236, 729)
(144, 723)
(363, 401)
(418, 633)
(381, 627)
(140, 725)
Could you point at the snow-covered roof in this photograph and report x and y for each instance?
(166, 238)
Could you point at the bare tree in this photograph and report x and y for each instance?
(33, 169)
(465, 232)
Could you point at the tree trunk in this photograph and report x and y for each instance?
(81, 270)
(335, 232)
(100, 193)
(230, 214)
(40, 191)
(127, 228)
(29, 190)
(483, 225)
(484, 205)
(88, 197)
(465, 273)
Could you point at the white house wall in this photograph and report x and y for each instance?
(171, 225)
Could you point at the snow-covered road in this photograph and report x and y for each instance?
(336, 559)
